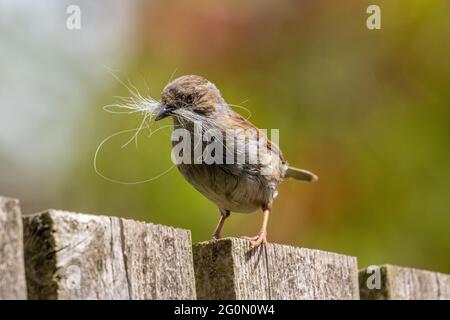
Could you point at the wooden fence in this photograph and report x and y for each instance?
(65, 255)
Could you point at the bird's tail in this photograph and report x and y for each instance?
(300, 174)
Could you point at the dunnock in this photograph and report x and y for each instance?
(232, 186)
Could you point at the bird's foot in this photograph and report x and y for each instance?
(256, 241)
(216, 236)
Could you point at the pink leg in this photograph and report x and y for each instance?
(261, 238)
(223, 215)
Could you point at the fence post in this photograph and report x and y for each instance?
(229, 269)
(388, 282)
(79, 256)
(12, 271)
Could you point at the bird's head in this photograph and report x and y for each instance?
(191, 97)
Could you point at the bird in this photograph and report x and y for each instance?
(241, 187)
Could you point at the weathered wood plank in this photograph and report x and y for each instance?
(388, 282)
(12, 270)
(79, 256)
(229, 269)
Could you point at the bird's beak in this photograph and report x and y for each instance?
(163, 112)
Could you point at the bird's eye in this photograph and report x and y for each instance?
(189, 98)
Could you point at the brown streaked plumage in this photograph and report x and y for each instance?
(233, 187)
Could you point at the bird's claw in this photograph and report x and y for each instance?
(256, 241)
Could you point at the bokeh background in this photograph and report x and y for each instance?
(367, 110)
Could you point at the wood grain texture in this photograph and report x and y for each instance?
(79, 256)
(399, 283)
(229, 269)
(12, 269)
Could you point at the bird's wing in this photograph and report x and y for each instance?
(239, 122)
(291, 172)
(268, 157)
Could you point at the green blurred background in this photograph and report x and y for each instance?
(367, 110)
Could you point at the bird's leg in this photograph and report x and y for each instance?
(261, 238)
(223, 215)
